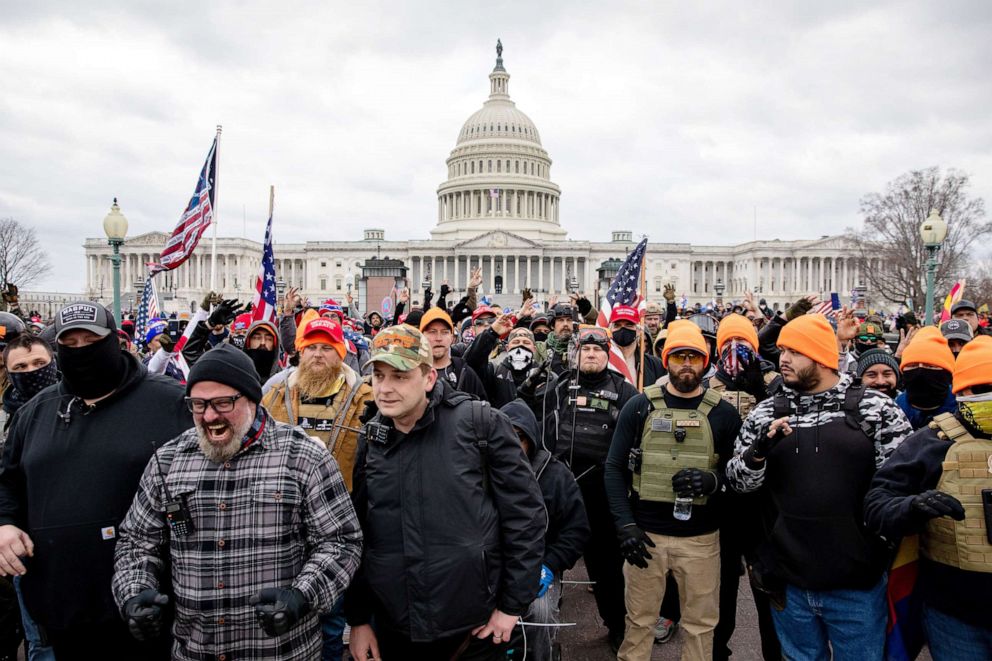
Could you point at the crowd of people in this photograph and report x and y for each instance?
(237, 488)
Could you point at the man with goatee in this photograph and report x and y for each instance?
(324, 397)
(669, 451)
(254, 519)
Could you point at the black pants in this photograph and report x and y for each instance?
(107, 642)
(602, 553)
(397, 647)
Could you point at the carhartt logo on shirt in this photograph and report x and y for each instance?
(108, 533)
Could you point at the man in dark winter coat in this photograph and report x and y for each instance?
(69, 472)
(455, 572)
(568, 529)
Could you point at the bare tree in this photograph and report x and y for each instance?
(979, 286)
(888, 245)
(22, 260)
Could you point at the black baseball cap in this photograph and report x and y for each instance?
(85, 315)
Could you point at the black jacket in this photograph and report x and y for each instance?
(915, 467)
(69, 474)
(499, 391)
(568, 526)
(462, 377)
(441, 552)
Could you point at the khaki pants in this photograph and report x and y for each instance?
(695, 565)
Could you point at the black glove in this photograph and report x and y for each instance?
(428, 296)
(224, 313)
(279, 610)
(798, 309)
(445, 290)
(634, 544)
(144, 615)
(932, 504)
(165, 341)
(694, 482)
(752, 380)
(762, 445)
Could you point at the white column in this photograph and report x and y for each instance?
(540, 272)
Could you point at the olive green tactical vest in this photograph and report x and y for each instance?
(674, 439)
(740, 400)
(967, 469)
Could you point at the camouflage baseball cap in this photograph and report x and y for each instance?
(402, 346)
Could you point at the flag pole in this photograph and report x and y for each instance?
(643, 292)
(213, 249)
(272, 199)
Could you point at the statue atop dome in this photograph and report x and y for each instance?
(499, 48)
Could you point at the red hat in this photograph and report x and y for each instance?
(481, 310)
(625, 313)
(322, 330)
(242, 322)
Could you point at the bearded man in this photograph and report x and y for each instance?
(253, 517)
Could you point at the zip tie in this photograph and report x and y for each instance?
(542, 624)
(579, 582)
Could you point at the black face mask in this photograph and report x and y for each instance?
(29, 384)
(926, 389)
(624, 337)
(238, 341)
(540, 337)
(861, 347)
(94, 370)
(263, 360)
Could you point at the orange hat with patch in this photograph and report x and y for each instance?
(974, 364)
(812, 336)
(684, 335)
(929, 347)
(736, 326)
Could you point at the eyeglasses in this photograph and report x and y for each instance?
(218, 404)
(484, 321)
(683, 357)
(868, 338)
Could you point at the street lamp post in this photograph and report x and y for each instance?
(115, 227)
(933, 231)
(718, 288)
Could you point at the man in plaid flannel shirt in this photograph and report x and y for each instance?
(252, 516)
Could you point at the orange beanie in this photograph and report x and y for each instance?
(929, 347)
(812, 336)
(736, 326)
(684, 335)
(974, 364)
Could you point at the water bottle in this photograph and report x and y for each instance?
(682, 510)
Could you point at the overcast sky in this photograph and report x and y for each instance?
(668, 119)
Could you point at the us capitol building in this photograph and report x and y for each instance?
(498, 208)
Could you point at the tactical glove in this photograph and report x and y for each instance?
(694, 482)
(798, 309)
(752, 380)
(144, 614)
(669, 293)
(166, 342)
(933, 504)
(224, 313)
(633, 546)
(279, 610)
(762, 445)
(445, 290)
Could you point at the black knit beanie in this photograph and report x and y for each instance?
(230, 366)
(877, 357)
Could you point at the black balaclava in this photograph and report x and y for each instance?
(94, 370)
(263, 360)
(926, 389)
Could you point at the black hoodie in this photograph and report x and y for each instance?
(68, 475)
(568, 526)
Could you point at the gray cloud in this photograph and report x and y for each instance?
(671, 120)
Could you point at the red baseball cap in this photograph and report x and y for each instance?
(625, 313)
(330, 329)
(481, 310)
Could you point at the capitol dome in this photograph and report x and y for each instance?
(498, 173)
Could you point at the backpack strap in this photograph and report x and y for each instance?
(781, 407)
(852, 407)
(480, 422)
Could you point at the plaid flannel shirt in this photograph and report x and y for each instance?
(277, 515)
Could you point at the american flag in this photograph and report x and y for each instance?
(624, 290)
(826, 308)
(264, 303)
(195, 219)
(147, 309)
